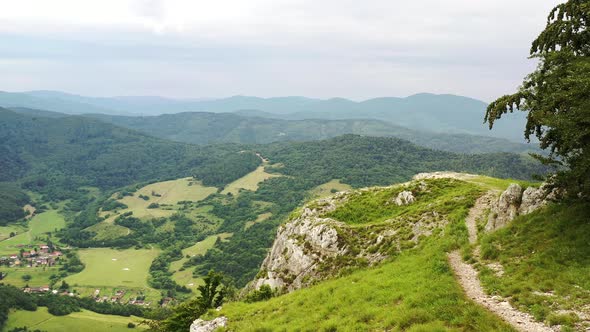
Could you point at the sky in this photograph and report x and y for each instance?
(316, 48)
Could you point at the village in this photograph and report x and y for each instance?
(29, 256)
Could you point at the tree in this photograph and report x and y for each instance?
(557, 97)
(26, 277)
(212, 293)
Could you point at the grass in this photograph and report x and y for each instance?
(39, 276)
(163, 193)
(501, 184)
(84, 320)
(185, 277)
(114, 268)
(107, 230)
(546, 258)
(248, 182)
(6, 230)
(329, 188)
(416, 292)
(38, 227)
(376, 205)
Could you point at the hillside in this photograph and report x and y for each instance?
(59, 155)
(389, 269)
(426, 112)
(207, 128)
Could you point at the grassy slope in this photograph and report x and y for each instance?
(78, 321)
(415, 292)
(185, 277)
(248, 182)
(102, 270)
(326, 189)
(42, 223)
(546, 258)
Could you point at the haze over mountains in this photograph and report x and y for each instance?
(426, 112)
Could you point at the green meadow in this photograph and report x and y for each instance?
(248, 182)
(546, 261)
(84, 320)
(329, 188)
(114, 268)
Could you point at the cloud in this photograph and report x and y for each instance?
(269, 47)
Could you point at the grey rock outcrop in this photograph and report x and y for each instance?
(300, 246)
(200, 325)
(404, 198)
(532, 199)
(514, 202)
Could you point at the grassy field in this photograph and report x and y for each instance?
(329, 188)
(546, 261)
(163, 193)
(38, 226)
(86, 321)
(248, 182)
(114, 268)
(6, 230)
(185, 277)
(108, 230)
(39, 275)
(416, 292)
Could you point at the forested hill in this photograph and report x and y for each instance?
(207, 128)
(365, 161)
(424, 111)
(58, 155)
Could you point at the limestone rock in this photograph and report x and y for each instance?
(200, 325)
(514, 202)
(404, 198)
(532, 199)
(506, 209)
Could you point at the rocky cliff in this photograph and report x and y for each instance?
(312, 246)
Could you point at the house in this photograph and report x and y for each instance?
(44, 248)
(26, 254)
(14, 256)
(56, 254)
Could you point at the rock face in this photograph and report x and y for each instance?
(404, 198)
(200, 325)
(514, 202)
(313, 247)
(300, 246)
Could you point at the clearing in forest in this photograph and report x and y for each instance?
(249, 181)
(114, 268)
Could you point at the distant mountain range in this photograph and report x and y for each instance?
(425, 112)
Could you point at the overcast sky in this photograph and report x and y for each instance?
(317, 48)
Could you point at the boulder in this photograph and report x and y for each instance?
(506, 208)
(200, 325)
(404, 198)
(532, 199)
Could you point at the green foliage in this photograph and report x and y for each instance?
(58, 156)
(556, 96)
(212, 294)
(112, 204)
(365, 161)
(12, 200)
(13, 298)
(209, 128)
(261, 294)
